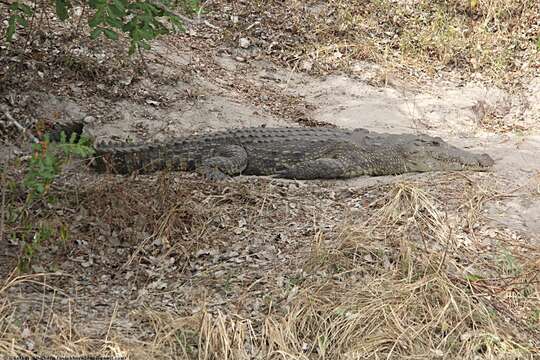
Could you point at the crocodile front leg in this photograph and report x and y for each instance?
(228, 160)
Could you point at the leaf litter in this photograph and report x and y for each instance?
(253, 268)
(170, 266)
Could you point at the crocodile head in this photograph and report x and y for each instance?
(425, 153)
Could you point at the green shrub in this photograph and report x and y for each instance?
(48, 158)
(141, 21)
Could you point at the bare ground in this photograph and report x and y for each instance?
(171, 266)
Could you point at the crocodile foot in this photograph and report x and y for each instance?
(212, 174)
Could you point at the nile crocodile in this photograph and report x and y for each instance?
(296, 153)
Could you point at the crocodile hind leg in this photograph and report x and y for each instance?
(324, 168)
(227, 161)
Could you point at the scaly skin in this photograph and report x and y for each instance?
(299, 153)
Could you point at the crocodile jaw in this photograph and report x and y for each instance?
(446, 158)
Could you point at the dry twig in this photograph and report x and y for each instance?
(19, 126)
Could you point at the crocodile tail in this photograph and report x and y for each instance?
(126, 158)
(139, 158)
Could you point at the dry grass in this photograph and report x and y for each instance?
(497, 38)
(171, 267)
(395, 283)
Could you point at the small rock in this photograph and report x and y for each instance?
(26, 333)
(153, 102)
(158, 285)
(127, 81)
(86, 264)
(306, 65)
(338, 54)
(438, 353)
(89, 119)
(244, 43)
(202, 252)
(240, 59)
(29, 345)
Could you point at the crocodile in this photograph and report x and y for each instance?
(293, 153)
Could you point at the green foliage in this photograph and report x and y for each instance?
(62, 8)
(48, 158)
(193, 6)
(535, 317)
(19, 14)
(30, 249)
(45, 165)
(34, 239)
(509, 264)
(473, 278)
(141, 21)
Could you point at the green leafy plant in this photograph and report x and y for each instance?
(45, 165)
(19, 14)
(30, 249)
(34, 239)
(48, 159)
(193, 6)
(141, 21)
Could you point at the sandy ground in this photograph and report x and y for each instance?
(468, 115)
